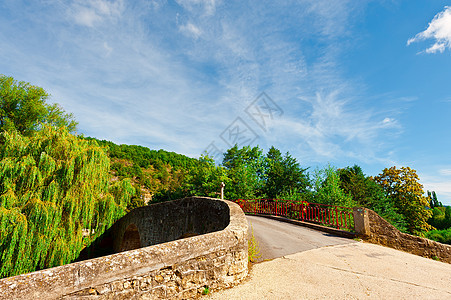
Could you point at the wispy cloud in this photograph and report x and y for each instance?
(191, 30)
(174, 76)
(439, 29)
(445, 172)
(207, 7)
(389, 123)
(92, 12)
(332, 127)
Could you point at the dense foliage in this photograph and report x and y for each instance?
(23, 107)
(159, 175)
(327, 189)
(441, 217)
(253, 174)
(246, 172)
(283, 175)
(367, 193)
(249, 173)
(245, 169)
(440, 220)
(403, 188)
(442, 236)
(53, 188)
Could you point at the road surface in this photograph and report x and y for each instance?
(277, 239)
(335, 268)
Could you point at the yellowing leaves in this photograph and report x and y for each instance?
(403, 187)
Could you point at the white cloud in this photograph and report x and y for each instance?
(107, 48)
(439, 29)
(191, 30)
(332, 17)
(441, 188)
(445, 172)
(332, 128)
(208, 7)
(86, 17)
(91, 12)
(389, 123)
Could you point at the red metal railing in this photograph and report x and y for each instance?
(329, 215)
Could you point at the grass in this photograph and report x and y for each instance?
(253, 248)
(206, 290)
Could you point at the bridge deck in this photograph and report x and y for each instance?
(353, 270)
(277, 239)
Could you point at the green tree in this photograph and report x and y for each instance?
(205, 178)
(283, 175)
(448, 216)
(327, 188)
(354, 183)
(403, 188)
(367, 193)
(442, 236)
(438, 220)
(244, 169)
(55, 198)
(433, 202)
(23, 107)
(156, 174)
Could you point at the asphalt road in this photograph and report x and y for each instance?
(277, 239)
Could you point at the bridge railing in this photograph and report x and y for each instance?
(329, 215)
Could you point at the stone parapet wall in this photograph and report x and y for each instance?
(169, 221)
(178, 269)
(374, 229)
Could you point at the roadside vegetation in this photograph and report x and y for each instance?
(253, 248)
(59, 191)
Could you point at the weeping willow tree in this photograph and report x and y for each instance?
(55, 198)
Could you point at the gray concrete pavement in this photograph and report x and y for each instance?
(347, 270)
(277, 239)
(352, 271)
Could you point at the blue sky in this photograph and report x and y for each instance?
(340, 82)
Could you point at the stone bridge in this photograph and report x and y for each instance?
(171, 250)
(178, 249)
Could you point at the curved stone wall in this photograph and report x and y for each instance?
(169, 221)
(215, 257)
(374, 229)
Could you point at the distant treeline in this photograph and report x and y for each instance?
(247, 172)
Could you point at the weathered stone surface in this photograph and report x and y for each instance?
(374, 229)
(177, 269)
(169, 221)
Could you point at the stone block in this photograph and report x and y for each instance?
(159, 292)
(159, 279)
(194, 279)
(117, 286)
(104, 289)
(361, 221)
(189, 294)
(145, 284)
(146, 296)
(237, 267)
